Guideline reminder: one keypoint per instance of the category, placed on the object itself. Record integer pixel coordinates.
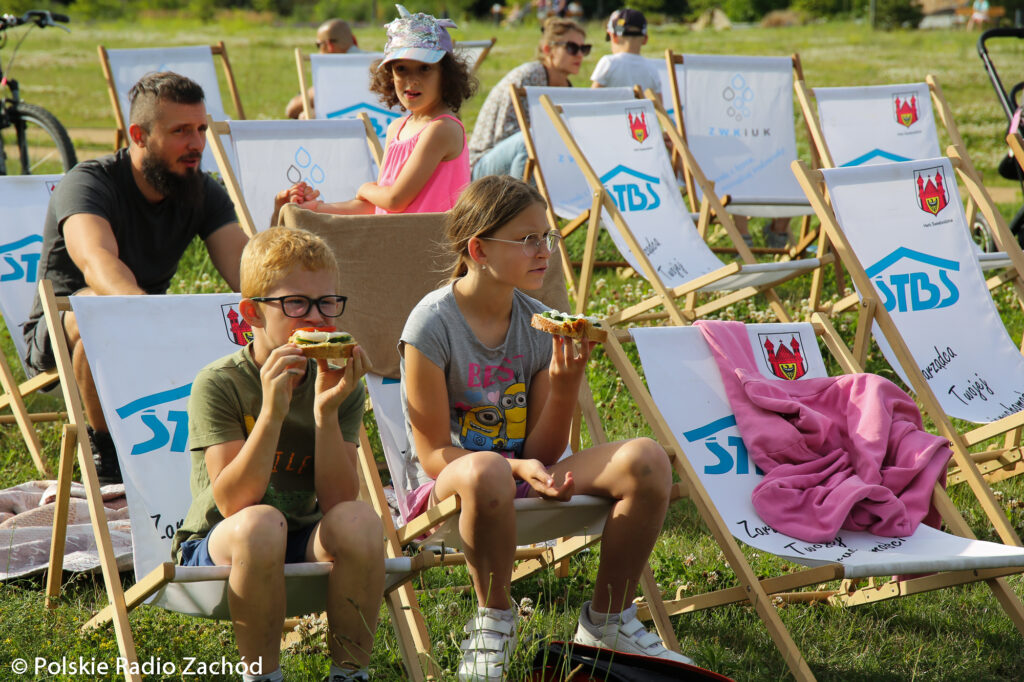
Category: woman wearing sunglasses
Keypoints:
(497, 147)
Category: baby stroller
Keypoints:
(1008, 167)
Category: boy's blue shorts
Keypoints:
(197, 552)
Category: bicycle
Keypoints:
(41, 140)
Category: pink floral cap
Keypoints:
(419, 37)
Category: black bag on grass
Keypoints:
(562, 660)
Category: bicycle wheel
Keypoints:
(42, 147)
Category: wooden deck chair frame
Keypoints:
(414, 640)
(533, 172)
(759, 592)
(974, 469)
(217, 128)
(804, 96)
(673, 59)
(668, 298)
(487, 45)
(13, 394)
(75, 441)
(121, 117)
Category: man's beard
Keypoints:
(187, 188)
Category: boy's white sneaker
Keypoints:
(625, 633)
(487, 649)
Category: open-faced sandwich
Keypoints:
(323, 342)
(571, 326)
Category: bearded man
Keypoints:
(118, 225)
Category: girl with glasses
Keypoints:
(497, 147)
(426, 163)
(488, 402)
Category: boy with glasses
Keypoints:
(274, 480)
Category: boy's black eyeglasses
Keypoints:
(297, 305)
(574, 48)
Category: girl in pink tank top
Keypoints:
(426, 160)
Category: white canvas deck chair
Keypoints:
(690, 414)
(145, 406)
(857, 126)
(474, 51)
(549, 164)
(383, 285)
(260, 158)
(900, 230)
(738, 122)
(341, 83)
(633, 186)
(123, 68)
(24, 199)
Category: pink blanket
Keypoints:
(838, 452)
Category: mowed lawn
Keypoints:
(955, 635)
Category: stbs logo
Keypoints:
(634, 190)
(239, 331)
(931, 194)
(915, 291)
(905, 107)
(165, 425)
(380, 118)
(21, 259)
(737, 96)
(785, 363)
(731, 453)
(302, 168)
(637, 124)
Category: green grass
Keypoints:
(955, 635)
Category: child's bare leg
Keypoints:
(252, 541)
(484, 483)
(637, 474)
(351, 536)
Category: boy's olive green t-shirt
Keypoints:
(226, 399)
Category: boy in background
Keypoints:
(272, 436)
(624, 67)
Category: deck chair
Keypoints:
(738, 122)
(549, 165)
(688, 410)
(618, 148)
(341, 83)
(24, 198)
(145, 405)
(263, 157)
(924, 300)
(383, 285)
(123, 68)
(856, 126)
(474, 51)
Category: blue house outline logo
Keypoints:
(632, 196)
(915, 288)
(374, 112)
(875, 153)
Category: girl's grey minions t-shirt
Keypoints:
(487, 387)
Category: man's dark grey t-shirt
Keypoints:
(151, 238)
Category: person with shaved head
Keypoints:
(333, 37)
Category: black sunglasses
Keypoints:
(574, 48)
